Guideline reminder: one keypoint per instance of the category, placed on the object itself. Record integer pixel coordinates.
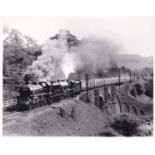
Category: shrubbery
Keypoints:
(125, 124)
(149, 88)
(133, 92)
(138, 88)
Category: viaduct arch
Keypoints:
(101, 102)
(113, 101)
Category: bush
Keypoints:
(133, 92)
(125, 124)
(147, 118)
(138, 88)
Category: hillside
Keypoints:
(133, 61)
(78, 119)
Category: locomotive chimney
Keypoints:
(27, 79)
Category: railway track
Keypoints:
(14, 117)
(10, 115)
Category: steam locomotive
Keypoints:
(37, 94)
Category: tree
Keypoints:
(149, 88)
(19, 51)
(123, 70)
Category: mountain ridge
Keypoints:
(134, 61)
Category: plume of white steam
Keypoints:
(68, 64)
(58, 60)
(48, 66)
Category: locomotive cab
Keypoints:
(77, 87)
(74, 86)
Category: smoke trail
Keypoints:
(68, 65)
(94, 55)
(59, 59)
(48, 66)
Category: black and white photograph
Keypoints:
(78, 76)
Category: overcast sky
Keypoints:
(134, 34)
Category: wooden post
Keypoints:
(130, 77)
(87, 78)
(119, 82)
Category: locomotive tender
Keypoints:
(37, 94)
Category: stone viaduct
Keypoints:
(112, 100)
